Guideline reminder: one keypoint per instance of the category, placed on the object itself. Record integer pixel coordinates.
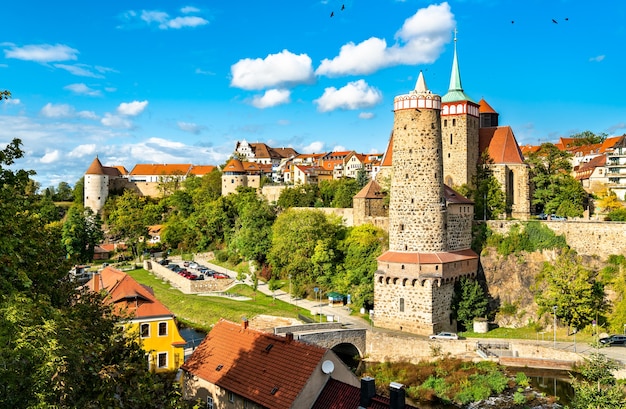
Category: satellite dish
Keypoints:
(328, 367)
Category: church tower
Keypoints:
(460, 131)
(96, 186)
(414, 282)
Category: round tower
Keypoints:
(417, 208)
(96, 186)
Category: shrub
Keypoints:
(521, 379)
(519, 398)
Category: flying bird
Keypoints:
(512, 21)
(566, 19)
(554, 21)
(343, 6)
(332, 13)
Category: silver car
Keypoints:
(444, 335)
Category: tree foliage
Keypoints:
(575, 290)
(470, 301)
(59, 347)
(485, 191)
(555, 190)
(82, 232)
(127, 220)
(588, 138)
(597, 388)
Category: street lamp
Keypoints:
(554, 311)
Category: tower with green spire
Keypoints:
(460, 123)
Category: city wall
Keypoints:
(587, 237)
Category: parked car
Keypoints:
(542, 216)
(220, 275)
(164, 262)
(557, 218)
(614, 340)
(193, 265)
(444, 335)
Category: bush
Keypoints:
(221, 256)
(519, 398)
(521, 379)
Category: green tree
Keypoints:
(79, 191)
(59, 347)
(298, 196)
(363, 244)
(362, 178)
(485, 191)
(469, 301)
(553, 183)
(64, 192)
(295, 235)
(572, 288)
(127, 222)
(252, 237)
(346, 189)
(588, 138)
(82, 232)
(597, 388)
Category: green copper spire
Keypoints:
(455, 92)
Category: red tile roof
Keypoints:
(201, 170)
(127, 295)
(371, 191)
(485, 108)
(234, 165)
(427, 258)
(95, 168)
(501, 144)
(161, 169)
(253, 364)
(389, 152)
(452, 196)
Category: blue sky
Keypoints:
(182, 81)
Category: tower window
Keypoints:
(401, 304)
(448, 154)
(450, 139)
(402, 227)
(453, 122)
(445, 122)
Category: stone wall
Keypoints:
(460, 227)
(346, 214)
(185, 285)
(591, 238)
(272, 192)
(460, 148)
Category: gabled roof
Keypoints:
(339, 395)
(610, 143)
(261, 150)
(526, 149)
(161, 169)
(501, 144)
(452, 196)
(267, 369)
(585, 170)
(127, 295)
(485, 108)
(371, 191)
(330, 164)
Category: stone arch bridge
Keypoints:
(345, 342)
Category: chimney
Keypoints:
(289, 337)
(368, 390)
(396, 396)
(244, 323)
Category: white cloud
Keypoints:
(314, 147)
(80, 70)
(272, 98)
(165, 21)
(57, 111)
(204, 72)
(597, 58)
(65, 111)
(82, 89)
(276, 70)
(116, 121)
(83, 150)
(51, 156)
(339, 148)
(190, 127)
(283, 122)
(42, 53)
(366, 115)
(187, 21)
(189, 9)
(355, 95)
(131, 108)
(419, 41)
(12, 101)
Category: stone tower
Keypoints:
(96, 186)
(460, 131)
(414, 282)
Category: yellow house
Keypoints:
(147, 317)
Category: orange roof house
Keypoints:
(143, 313)
(242, 367)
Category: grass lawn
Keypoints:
(530, 334)
(201, 312)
